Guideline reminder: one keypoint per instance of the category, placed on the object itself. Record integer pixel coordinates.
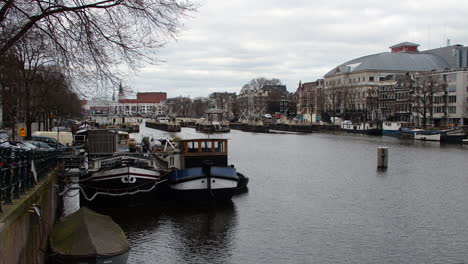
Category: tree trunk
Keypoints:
(27, 108)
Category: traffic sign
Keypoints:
(23, 132)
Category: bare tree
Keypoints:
(94, 37)
(259, 83)
(334, 100)
(423, 96)
(33, 55)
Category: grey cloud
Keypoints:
(227, 43)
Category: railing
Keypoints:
(21, 170)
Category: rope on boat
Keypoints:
(118, 194)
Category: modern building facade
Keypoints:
(148, 103)
(448, 97)
(145, 104)
(388, 86)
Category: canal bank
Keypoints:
(26, 223)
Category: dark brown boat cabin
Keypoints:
(196, 152)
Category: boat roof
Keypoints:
(203, 139)
(214, 111)
(124, 155)
(82, 233)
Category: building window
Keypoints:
(371, 78)
(452, 109)
(451, 77)
(363, 79)
(451, 89)
(452, 99)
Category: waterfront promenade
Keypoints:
(28, 205)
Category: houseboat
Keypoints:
(453, 136)
(442, 135)
(119, 175)
(199, 170)
(393, 128)
(113, 171)
(367, 128)
(165, 124)
(214, 120)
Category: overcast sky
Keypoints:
(228, 43)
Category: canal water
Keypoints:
(316, 198)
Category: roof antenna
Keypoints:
(429, 37)
(445, 32)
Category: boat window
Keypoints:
(193, 146)
(123, 140)
(206, 146)
(219, 146)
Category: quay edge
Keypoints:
(24, 235)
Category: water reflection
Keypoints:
(204, 234)
(176, 233)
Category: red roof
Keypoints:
(152, 98)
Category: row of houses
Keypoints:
(427, 87)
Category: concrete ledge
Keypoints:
(12, 211)
(24, 236)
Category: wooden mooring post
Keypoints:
(382, 157)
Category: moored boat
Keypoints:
(393, 128)
(121, 175)
(425, 135)
(453, 136)
(86, 237)
(214, 122)
(368, 128)
(114, 172)
(442, 135)
(199, 170)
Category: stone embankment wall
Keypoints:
(24, 233)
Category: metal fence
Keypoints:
(21, 170)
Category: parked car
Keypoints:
(41, 145)
(18, 145)
(4, 136)
(52, 142)
(65, 138)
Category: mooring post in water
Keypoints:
(382, 157)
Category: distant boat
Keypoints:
(393, 128)
(368, 128)
(214, 121)
(86, 237)
(442, 135)
(427, 135)
(453, 136)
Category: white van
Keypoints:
(65, 138)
